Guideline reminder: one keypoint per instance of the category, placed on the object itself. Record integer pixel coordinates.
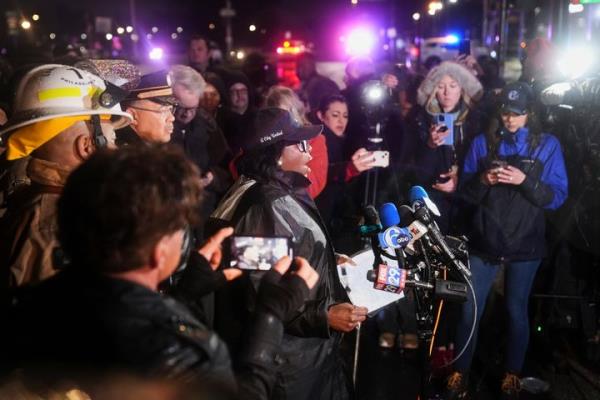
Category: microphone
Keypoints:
(372, 223)
(406, 215)
(432, 231)
(390, 220)
(394, 237)
(419, 197)
(387, 278)
(393, 280)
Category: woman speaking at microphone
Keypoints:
(270, 199)
(512, 174)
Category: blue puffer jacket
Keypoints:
(508, 220)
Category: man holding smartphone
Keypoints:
(103, 319)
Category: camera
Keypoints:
(375, 98)
(256, 253)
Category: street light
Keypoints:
(252, 28)
(109, 36)
(25, 24)
(416, 16)
(434, 7)
(35, 17)
(120, 30)
(129, 28)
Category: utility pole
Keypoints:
(133, 18)
(227, 14)
(484, 28)
(503, 32)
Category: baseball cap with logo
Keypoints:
(516, 97)
(273, 125)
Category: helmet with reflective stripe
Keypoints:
(52, 91)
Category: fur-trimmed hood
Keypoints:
(472, 89)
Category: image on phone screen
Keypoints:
(256, 252)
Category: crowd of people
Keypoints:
(118, 191)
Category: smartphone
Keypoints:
(465, 47)
(497, 165)
(257, 253)
(447, 122)
(382, 158)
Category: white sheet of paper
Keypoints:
(359, 289)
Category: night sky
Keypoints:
(318, 21)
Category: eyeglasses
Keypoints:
(303, 146)
(163, 110)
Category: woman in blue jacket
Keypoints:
(511, 174)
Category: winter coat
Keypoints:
(430, 163)
(318, 165)
(508, 221)
(578, 130)
(309, 366)
(333, 201)
(210, 153)
(28, 229)
(81, 326)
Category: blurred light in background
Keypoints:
(575, 8)
(452, 39)
(156, 54)
(575, 62)
(360, 42)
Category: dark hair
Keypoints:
(261, 163)
(197, 36)
(118, 204)
(328, 100)
(493, 136)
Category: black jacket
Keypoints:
(429, 163)
(281, 207)
(84, 327)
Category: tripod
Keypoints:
(371, 180)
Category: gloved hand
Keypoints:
(555, 94)
(282, 293)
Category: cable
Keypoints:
(437, 321)
(435, 327)
(472, 326)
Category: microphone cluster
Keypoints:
(400, 231)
